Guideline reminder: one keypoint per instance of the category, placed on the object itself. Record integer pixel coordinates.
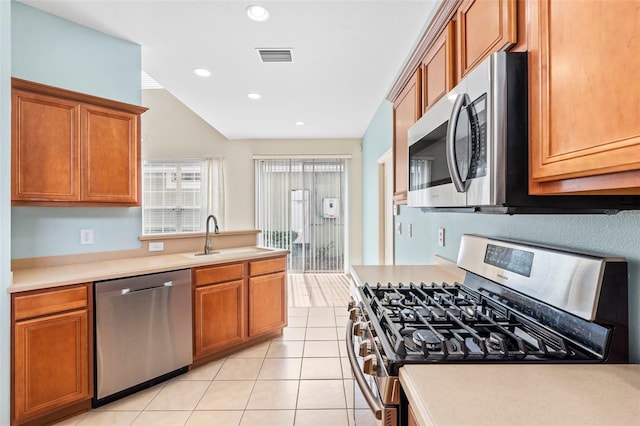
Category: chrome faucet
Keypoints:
(208, 245)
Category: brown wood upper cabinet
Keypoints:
(406, 111)
(484, 27)
(438, 68)
(69, 148)
(583, 65)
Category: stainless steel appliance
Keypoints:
(143, 332)
(470, 150)
(518, 303)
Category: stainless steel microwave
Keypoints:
(469, 152)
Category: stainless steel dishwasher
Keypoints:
(143, 332)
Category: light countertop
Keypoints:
(444, 271)
(55, 276)
(523, 394)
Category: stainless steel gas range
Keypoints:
(518, 303)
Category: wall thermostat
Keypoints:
(330, 208)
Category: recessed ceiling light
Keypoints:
(257, 13)
(201, 72)
(254, 96)
(299, 123)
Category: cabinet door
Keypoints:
(219, 317)
(406, 111)
(51, 363)
(267, 303)
(110, 155)
(484, 27)
(46, 147)
(583, 65)
(438, 69)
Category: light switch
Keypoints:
(441, 237)
(410, 230)
(399, 228)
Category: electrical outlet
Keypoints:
(86, 236)
(157, 246)
(441, 237)
(410, 230)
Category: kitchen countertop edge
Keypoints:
(58, 276)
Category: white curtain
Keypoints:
(301, 205)
(216, 184)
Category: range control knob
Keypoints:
(365, 348)
(354, 314)
(358, 328)
(370, 365)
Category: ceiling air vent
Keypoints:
(276, 55)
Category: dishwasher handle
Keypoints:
(126, 291)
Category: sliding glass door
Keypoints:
(300, 206)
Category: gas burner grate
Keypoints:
(451, 322)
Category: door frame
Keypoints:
(386, 240)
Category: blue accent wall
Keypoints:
(54, 51)
(616, 235)
(375, 143)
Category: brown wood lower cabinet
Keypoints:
(235, 302)
(219, 321)
(52, 355)
(267, 303)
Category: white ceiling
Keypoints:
(346, 55)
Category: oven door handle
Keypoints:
(368, 394)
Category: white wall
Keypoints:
(171, 130)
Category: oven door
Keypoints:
(380, 391)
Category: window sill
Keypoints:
(154, 237)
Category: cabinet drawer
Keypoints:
(43, 303)
(261, 267)
(218, 274)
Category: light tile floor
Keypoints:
(301, 378)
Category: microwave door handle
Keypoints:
(461, 101)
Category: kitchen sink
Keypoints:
(235, 251)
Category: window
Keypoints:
(174, 196)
